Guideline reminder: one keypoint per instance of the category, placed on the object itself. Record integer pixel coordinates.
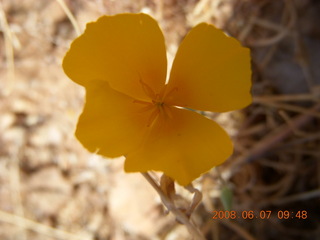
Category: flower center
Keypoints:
(157, 109)
(158, 104)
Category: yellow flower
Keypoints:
(131, 111)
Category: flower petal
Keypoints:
(124, 49)
(211, 72)
(111, 124)
(182, 144)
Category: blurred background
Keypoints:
(51, 188)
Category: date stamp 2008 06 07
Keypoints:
(263, 214)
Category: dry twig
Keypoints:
(39, 228)
(276, 136)
(8, 43)
(70, 16)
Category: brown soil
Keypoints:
(52, 188)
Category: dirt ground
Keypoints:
(52, 188)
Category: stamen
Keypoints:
(168, 94)
(148, 90)
(153, 117)
(141, 102)
(146, 108)
(167, 111)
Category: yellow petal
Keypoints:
(182, 144)
(112, 124)
(126, 50)
(211, 72)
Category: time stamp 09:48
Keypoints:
(263, 214)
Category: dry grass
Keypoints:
(51, 188)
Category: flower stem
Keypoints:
(180, 216)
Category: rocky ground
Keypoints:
(52, 188)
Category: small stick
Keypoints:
(297, 197)
(39, 228)
(293, 108)
(237, 228)
(9, 51)
(273, 138)
(284, 97)
(70, 16)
